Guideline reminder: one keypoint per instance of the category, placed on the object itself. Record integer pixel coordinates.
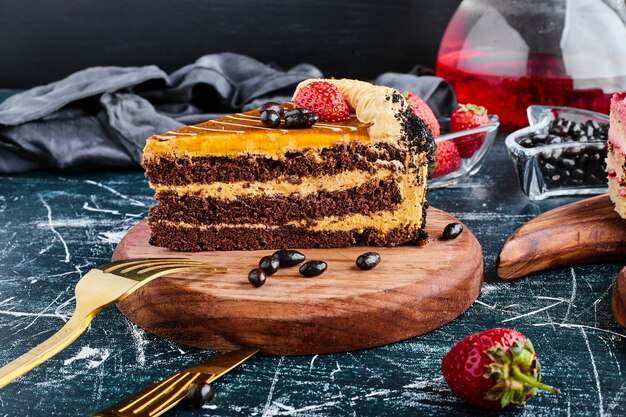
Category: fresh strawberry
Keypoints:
(447, 158)
(493, 369)
(469, 116)
(421, 110)
(323, 99)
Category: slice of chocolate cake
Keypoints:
(236, 184)
(616, 159)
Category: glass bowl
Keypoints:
(557, 169)
(469, 166)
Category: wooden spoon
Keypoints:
(588, 231)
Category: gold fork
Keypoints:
(99, 288)
(162, 396)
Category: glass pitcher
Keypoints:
(509, 54)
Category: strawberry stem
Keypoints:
(469, 107)
(515, 373)
(527, 380)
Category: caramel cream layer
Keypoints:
(272, 144)
(243, 133)
(309, 185)
(407, 214)
(376, 109)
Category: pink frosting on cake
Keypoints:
(614, 142)
(618, 104)
(616, 159)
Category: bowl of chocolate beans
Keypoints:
(562, 152)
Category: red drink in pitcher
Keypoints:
(507, 55)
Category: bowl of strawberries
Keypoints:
(463, 140)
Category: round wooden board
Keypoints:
(413, 290)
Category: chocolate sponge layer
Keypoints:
(294, 165)
(373, 196)
(211, 239)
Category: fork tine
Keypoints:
(115, 265)
(160, 264)
(170, 402)
(141, 269)
(178, 386)
(138, 403)
(173, 399)
(182, 265)
(169, 271)
(159, 386)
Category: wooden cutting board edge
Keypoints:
(587, 231)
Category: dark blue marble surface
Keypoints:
(55, 227)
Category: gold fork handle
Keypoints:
(74, 327)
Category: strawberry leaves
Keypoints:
(494, 369)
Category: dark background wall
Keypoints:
(42, 41)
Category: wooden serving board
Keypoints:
(412, 291)
(587, 231)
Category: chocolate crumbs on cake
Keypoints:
(415, 133)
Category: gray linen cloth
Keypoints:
(101, 117)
